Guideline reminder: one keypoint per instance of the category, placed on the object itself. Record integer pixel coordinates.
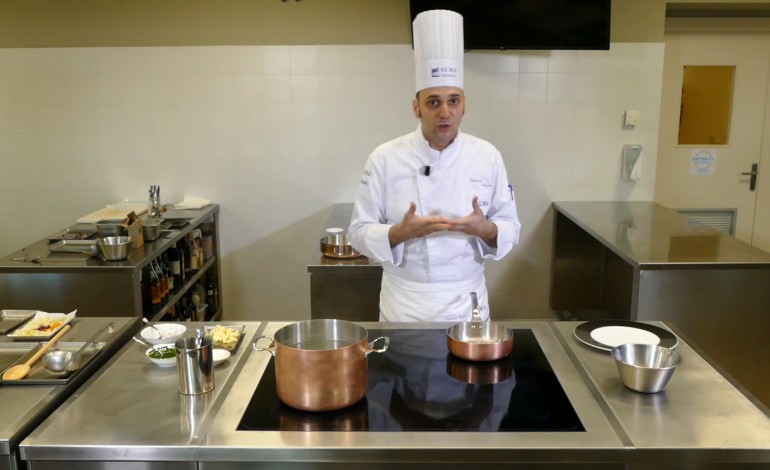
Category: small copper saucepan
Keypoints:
(479, 373)
(479, 340)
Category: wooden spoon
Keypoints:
(20, 371)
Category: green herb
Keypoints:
(165, 353)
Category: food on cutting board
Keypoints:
(224, 337)
(39, 327)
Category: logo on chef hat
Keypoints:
(445, 72)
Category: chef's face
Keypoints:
(440, 110)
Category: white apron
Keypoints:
(402, 300)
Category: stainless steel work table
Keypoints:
(345, 289)
(643, 261)
(25, 406)
(700, 418)
(133, 412)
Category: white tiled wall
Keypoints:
(278, 134)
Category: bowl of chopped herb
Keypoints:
(163, 355)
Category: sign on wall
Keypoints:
(703, 161)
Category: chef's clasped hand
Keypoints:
(414, 226)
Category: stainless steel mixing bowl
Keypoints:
(645, 368)
(114, 248)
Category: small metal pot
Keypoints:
(110, 228)
(151, 229)
(320, 365)
(479, 340)
(341, 250)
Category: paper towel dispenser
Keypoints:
(632, 162)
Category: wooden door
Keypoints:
(677, 185)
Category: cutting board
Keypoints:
(109, 213)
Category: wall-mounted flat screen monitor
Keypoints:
(529, 24)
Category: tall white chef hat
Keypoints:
(438, 49)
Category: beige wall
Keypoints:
(277, 131)
(278, 134)
(79, 23)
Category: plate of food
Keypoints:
(42, 326)
(606, 334)
(225, 336)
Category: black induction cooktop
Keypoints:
(416, 385)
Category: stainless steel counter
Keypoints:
(25, 406)
(133, 412)
(648, 234)
(345, 289)
(57, 279)
(700, 418)
(642, 261)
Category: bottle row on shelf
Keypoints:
(199, 303)
(170, 273)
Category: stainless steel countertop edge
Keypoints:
(36, 446)
(597, 394)
(723, 422)
(224, 443)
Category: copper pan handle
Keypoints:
(370, 348)
(475, 312)
(271, 349)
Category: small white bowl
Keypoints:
(165, 362)
(220, 355)
(169, 333)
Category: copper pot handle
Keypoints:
(271, 349)
(370, 348)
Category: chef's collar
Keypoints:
(435, 155)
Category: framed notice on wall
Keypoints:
(703, 161)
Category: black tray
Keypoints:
(17, 353)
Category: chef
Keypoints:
(434, 204)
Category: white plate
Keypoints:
(616, 335)
(220, 355)
(606, 334)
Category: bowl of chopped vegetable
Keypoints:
(163, 355)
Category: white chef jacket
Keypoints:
(430, 278)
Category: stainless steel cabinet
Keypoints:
(642, 261)
(62, 282)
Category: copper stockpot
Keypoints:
(479, 340)
(320, 365)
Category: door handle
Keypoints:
(753, 173)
